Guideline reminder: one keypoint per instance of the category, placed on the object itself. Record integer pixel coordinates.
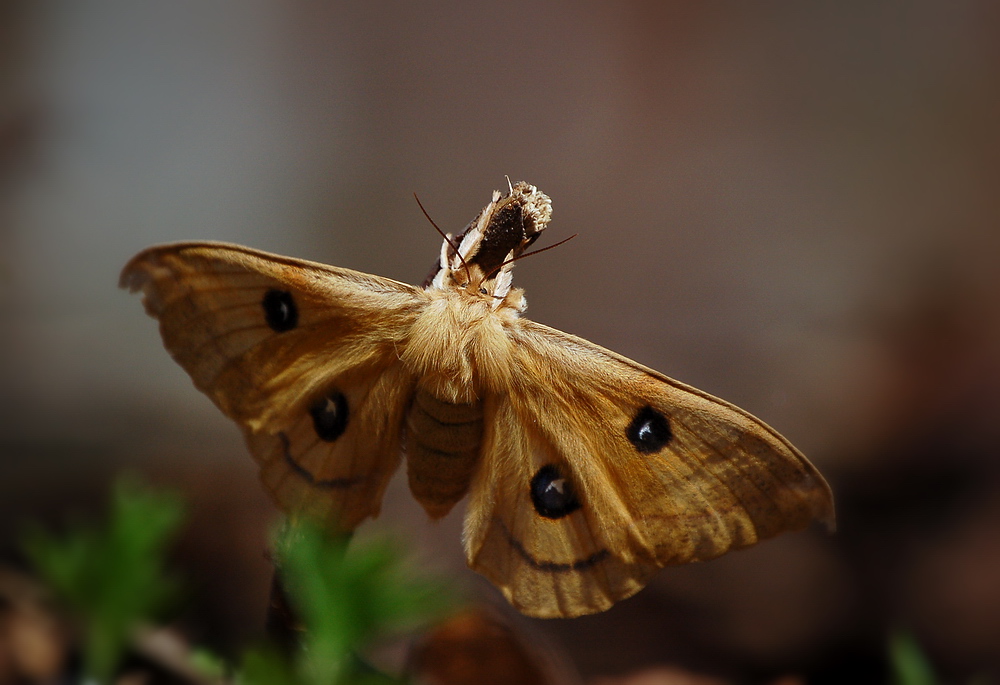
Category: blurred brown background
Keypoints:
(791, 205)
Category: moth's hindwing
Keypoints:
(599, 471)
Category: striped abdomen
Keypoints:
(442, 450)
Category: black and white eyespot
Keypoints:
(280, 311)
(330, 415)
(552, 493)
(649, 431)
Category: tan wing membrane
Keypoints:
(209, 298)
(659, 474)
(341, 481)
(546, 566)
(302, 355)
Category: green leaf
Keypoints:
(266, 667)
(208, 664)
(346, 598)
(908, 663)
(111, 577)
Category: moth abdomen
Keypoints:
(442, 450)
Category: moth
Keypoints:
(585, 471)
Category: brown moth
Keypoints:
(586, 472)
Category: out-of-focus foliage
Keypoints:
(111, 576)
(345, 599)
(909, 664)
(112, 579)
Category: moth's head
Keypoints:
(488, 246)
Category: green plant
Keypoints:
(907, 661)
(345, 599)
(111, 577)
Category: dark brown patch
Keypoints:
(649, 431)
(330, 414)
(510, 229)
(280, 310)
(553, 493)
